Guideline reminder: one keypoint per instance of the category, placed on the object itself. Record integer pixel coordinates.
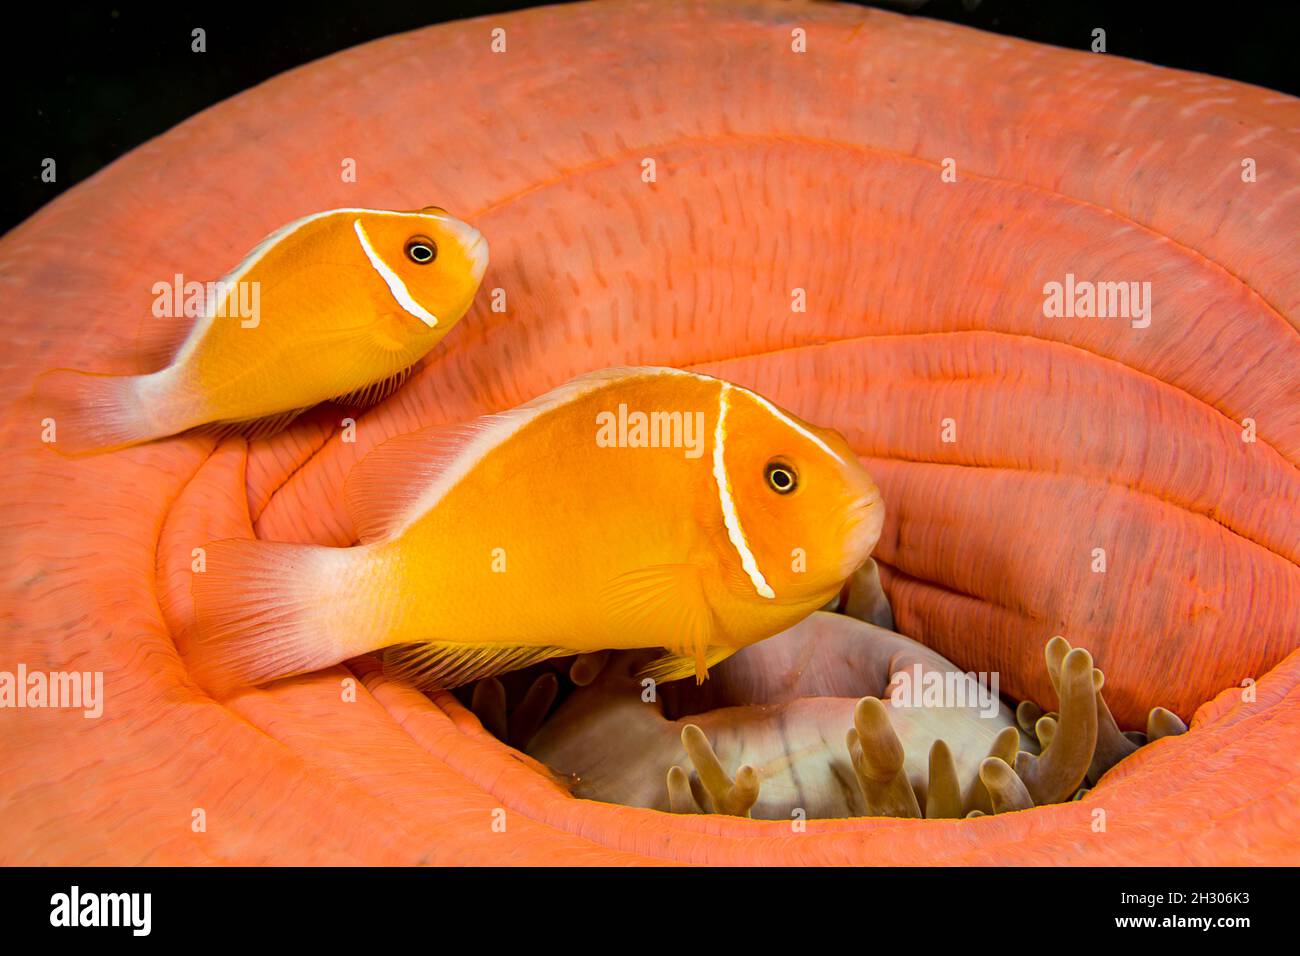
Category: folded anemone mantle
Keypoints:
(774, 170)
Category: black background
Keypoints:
(86, 84)
(1048, 910)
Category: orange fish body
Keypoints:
(629, 508)
(346, 302)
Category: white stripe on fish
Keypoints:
(729, 516)
(393, 280)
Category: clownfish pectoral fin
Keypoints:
(672, 667)
(663, 605)
(449, 664)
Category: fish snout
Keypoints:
(473, 242)
(476, 248)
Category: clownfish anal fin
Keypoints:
(251, 429)
(663, 605)
(448, 664)
(375, 392)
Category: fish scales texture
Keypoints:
(925, 303)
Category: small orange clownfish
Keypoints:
(348, 300)
(630, 508)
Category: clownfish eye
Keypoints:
(421, 250)
(781, 477)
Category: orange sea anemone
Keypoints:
(867, 233)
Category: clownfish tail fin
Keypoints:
(89, 412)
(266, 610)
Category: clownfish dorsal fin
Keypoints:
(663, 604)
(383, 491)
(159, 340)
(405, 476)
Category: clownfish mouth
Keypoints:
(477, 251)
(864, 520)
(474, 242)
(834, 718)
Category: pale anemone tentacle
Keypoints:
(1004, 747)
(489, 703)
(489, 706)
(1006, 789)
(528, 717)
(1164, 723)
(587, 667)
(680, 798)
(732, 797)
(1071, 741)
(943, 795)
(876, 755)
(763, 742)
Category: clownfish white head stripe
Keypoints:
(394, 282)
(729, 516)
